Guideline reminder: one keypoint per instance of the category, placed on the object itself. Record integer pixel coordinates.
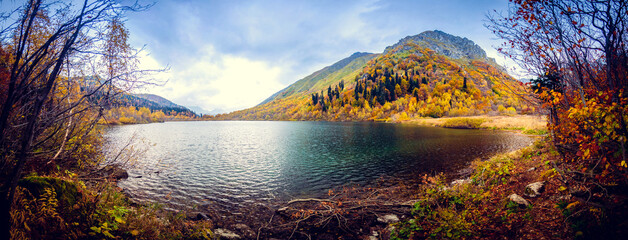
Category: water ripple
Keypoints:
(235, 163)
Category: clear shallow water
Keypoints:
(237, 163)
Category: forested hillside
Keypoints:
(121, 107)
(144, 108)
(433, 74)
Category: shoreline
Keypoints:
(510, 123)
(260, 214)
(522, 123)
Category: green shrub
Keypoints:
(464, 123)
(535, 131)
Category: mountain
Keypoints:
(199, 110)
(433, 74)
(153, 102)
(121, 98)
(159, 100)
(443, 43)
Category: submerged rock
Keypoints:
(534, 189)
(518, 200)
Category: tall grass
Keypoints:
(464, 123)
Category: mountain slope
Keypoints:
(323, 78)
(153, 102)
(199, 110)
(430, 74)
(159, 100)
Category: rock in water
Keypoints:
(534, 189)
(519, 200)
(115, 171)
(202, 216)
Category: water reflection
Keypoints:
(235, 163)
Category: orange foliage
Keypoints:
(133, 115)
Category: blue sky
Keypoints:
(230, 55)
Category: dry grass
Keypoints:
(517, 122)
(464, 123)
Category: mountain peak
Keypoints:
(443, 43)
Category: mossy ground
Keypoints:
(60, 206)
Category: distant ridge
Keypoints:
(152, 102)
(159, 100)
(199, 110)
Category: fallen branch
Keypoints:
(309, 200)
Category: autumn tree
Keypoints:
(578, 51)
(42, 108)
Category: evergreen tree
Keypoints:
(329, 93)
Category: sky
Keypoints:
(230, 55)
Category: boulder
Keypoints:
(460, 182)
(202, 216)
(388, 218)
(244, 230)
(374, 236)
(226, 234)
(197, 216)
(534, 189)
(115, 171)
(518, 200)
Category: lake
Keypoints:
(234, 163)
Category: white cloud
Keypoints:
(216, 81)
(243, 83)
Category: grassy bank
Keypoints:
(481, 205)
(529, 124)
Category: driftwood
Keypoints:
(349, 213)
(309, 200)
